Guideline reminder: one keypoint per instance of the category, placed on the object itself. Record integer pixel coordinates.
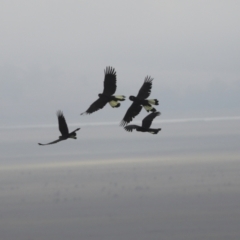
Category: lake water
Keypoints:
(183, 183)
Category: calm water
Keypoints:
(183, 183)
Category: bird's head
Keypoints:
(132, 98)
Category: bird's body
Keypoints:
(143, 129)
(140, 101)
(63, 128)
(146, 123)
(146, 103)
(107, 96)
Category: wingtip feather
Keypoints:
(59, 113)
(110, 70)
(85, 113)
(123, 123)
(128, 129)
(148, 79)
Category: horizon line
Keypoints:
(93, 124)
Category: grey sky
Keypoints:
(53, 54)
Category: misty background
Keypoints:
(182, 183)
(53, 56)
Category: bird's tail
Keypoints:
(73, 137)
(120, 97)
(154, 130)
(153, 101)
(73, 134)
(149, 108)
(114, 103)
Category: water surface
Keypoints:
(183, 183)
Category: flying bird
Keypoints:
(146, 124)
(109, 88)
(140, 101)
(63, 128)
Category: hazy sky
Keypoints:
(53, 54)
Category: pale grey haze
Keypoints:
(180, 184)
(53, 54)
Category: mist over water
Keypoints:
(110, 184)
(183, 183)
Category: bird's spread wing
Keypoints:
(98, 104)
(130, 128)
(131, 113)
(145, 90)
(147, 121)
(63, 128)
(50, 142)
(110, 81)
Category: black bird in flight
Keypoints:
(146, 123)
(63, 128)
(109, 89)
(139, 101)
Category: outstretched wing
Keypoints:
(41, 144)
(147, 121)
(130, 128)
(145, 90)
(63, 128)
(131, 113)
(98, 104)
(110, 81)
